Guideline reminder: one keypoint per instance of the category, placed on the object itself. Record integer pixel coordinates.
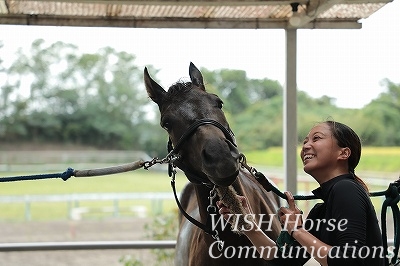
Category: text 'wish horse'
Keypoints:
(207, 153)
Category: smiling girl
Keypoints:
(330, 153)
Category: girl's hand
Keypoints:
(225, 211)
(290, 217)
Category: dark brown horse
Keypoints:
(208, 156)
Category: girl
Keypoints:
(343, 230)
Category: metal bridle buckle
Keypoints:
(243, 162)
(211, 208)
(220, 242)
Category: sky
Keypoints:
(348, 65)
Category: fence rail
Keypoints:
(74, 209)
(87, 245)
(94, 245)
(87, 196)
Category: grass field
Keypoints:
(130, 182)
(374, 159)
(137, 181)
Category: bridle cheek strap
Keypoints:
(193, 177)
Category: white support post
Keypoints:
(290, 113)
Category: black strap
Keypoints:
(392, 198)
(228, 134)
(264, 182)
(203, 227)
(193, 177)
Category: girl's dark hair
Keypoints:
(346, 137)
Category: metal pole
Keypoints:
(86, 245)
(290, 113)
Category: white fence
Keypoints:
(75, 210)
(73, 200)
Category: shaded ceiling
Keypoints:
(216, 14)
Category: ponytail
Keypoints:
(361, 182)
(346, 137)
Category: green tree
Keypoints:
(55, 93)
(383, 117)
(238, 91)
(260, 126)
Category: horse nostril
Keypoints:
(219, 150)
(208, 153)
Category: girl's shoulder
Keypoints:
(348, 190)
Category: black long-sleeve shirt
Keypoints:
(346, 220)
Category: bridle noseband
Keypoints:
(173, 152)
(205, 121)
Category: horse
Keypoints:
(208, 155)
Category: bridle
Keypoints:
(173, 156)
(205, 121)
(173, 152)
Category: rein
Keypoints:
(211, 210)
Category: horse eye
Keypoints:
(220, 104)
(166, 125)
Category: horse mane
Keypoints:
(176, 89)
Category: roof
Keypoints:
(222, 14)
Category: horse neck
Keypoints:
(260, 201)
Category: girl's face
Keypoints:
(320, 153)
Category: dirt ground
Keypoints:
(123, 229)
(105, 230)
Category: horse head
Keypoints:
(197, 128)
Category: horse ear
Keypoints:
(196, 77)
(155, 91)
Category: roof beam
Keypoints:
(204, 2)
(184, 2)
(349, 2)
(195, 23)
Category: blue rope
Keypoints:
(64, 176)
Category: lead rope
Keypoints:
(79, 173)
(264, 182)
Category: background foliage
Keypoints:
(57, 94)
